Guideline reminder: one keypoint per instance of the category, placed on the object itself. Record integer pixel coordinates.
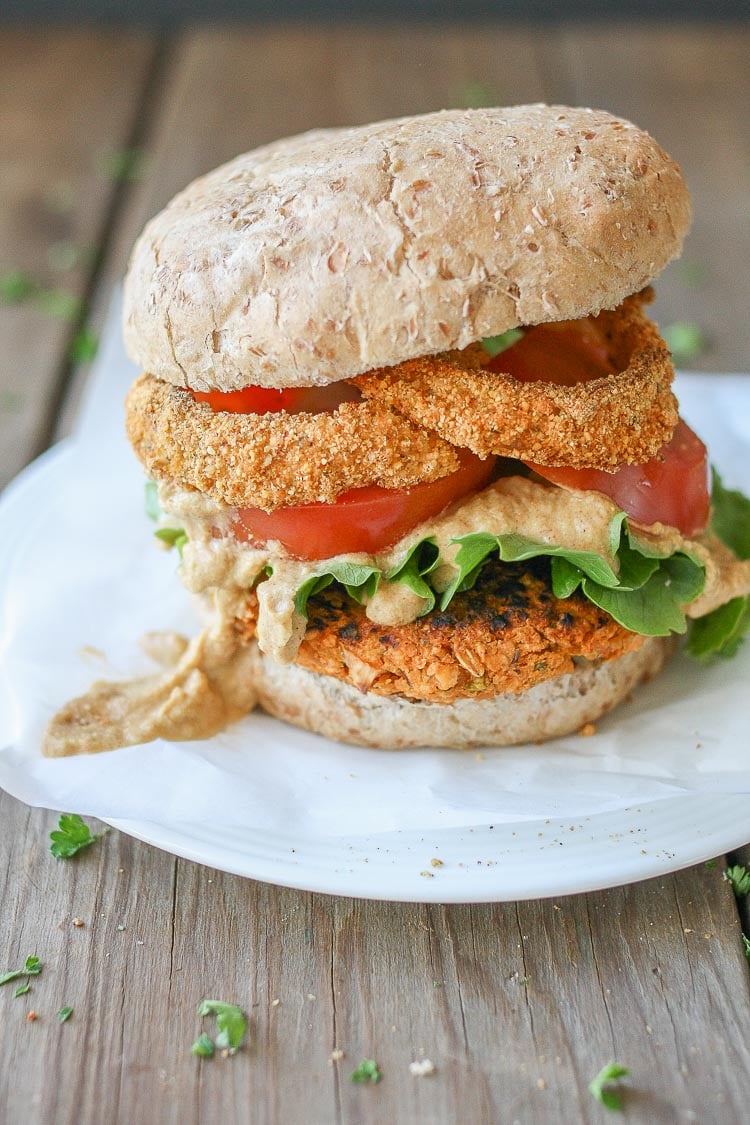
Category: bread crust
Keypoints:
(319, 257)
(548, 710)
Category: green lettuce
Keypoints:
(646, 593)
(721, 632)
(358, 580)
(170, 536)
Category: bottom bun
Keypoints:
(339, 711)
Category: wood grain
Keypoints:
(518, 1006)
(66, 97)
(692, 92)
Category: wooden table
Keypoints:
(518, 1005)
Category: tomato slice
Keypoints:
(672, 488)
(269, 400)
(363, 519)
(564, 353)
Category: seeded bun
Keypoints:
(322, 256)
(550, 709)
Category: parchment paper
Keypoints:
(81, 580)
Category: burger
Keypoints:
(407, 423)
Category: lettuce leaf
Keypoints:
(721, 632)
(357, 579)
(493, 345)
(413, 571)
(730, 516)
(645, 591)
(646, 596)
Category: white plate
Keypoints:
(74, 546)
(504, 863)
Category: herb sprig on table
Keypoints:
(72, 834)
(601, 1086)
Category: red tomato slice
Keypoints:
(363, 519)
(268, 400)
(672, 488)
(564, 353)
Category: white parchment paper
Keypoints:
(81, 581)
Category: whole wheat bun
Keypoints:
(322, 256)
(556, 707)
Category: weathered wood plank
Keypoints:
(690, 87)
(517, 1007)
(65, 97)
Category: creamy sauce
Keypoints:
(209, 686)
(209, 681)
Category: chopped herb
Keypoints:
(493, 345)
(121, 165)
(23, 989)
(71, 836)
(477, 95)
(203, 1046)
(685, 341)
(64, 1014)
(610, 1099)
(32, 968)
(367, 1071)
(230, 1022)
(16, 287)
(710, 863)
(59, 303)
(739, 877)
(83, 346)
(746, 944)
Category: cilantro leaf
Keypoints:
(746, 944)
(358, 580)
(230, 1022)
(203, 1046)
(493, 345)
(23, 989)
(64, 1014)
(598, 1086)
(367, 1071)
(730, 516)
(32, 968)
(71, 836)
(739, 877)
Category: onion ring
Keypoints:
(270, 461)
(620, 419)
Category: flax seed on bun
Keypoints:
(323, 256)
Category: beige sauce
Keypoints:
(209, 681)
(209, 686)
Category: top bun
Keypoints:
(322, 256)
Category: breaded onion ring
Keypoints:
(620, 419)
(272, 461)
